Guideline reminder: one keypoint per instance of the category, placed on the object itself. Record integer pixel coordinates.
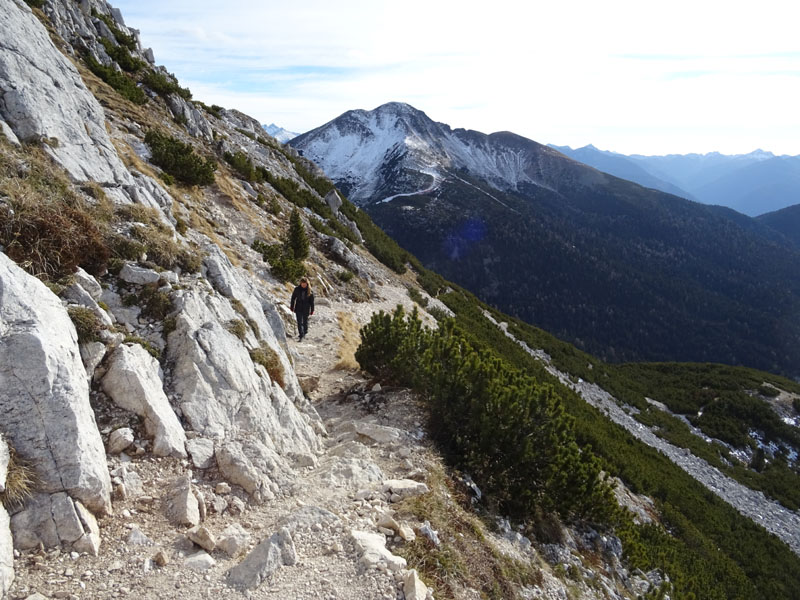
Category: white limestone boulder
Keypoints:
(266, 558)
(45, 394)
(373, 551)
(133, 382)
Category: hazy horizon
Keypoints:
(636, 78)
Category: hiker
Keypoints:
(302, 305)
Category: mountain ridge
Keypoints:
(615, 241)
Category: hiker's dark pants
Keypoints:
(302, 323)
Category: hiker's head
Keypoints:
(304, 282)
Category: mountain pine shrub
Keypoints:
(506, 429)
(179, 159)
(122, 84)
(297, 240)
(164, 85)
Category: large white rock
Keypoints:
(413, 587)
(42, 96)
(405, 488)
(5, 458)
(44, 393)
(233, 540)
(266, 558)
(53, 519)
(372, 547)
(133, 383)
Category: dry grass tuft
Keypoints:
(268, 358)
(20, 481)
(351, 339)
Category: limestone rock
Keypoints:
(119, 440)
(45, 399)
(233, 540)
(413, 587)
(200, 561)
(182, 506)
(138, 275)
(133, 383)
(202, 537)
(196, 123)
(53, 519)
(379, 433)
(35, 77)
(354, 473)
(129, 480)
(247, 465)
(201, 451)
(388, 521)
(88, 283)
(372, 547)
(92, 355)
(341, 253)
(334, 201)
(136, 537)
(266, 558)
(405, 488)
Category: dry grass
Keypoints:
(20, 481)
(349, 343)
(465, 558)
(268, 358)
(46, 226)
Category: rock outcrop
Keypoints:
(45, 396)
(133, 381)
(266, 558)
(6, 544)
(35, 77)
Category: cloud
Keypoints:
(626, 75)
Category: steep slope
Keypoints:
(623, 271)
(786, 221)
(623, 167)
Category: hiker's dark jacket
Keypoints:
(302, 300)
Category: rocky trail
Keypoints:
(320, 535)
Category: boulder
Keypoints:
(5, 458)
(133, 382)
(201, 451)
(92, 355)
(182, 505)
(196, 123)
(266, 558)
(45, 401)
(53, 519)
(138, 275)
(200, 561)
(35, 77)
(119, 440)
(379, 433)
(373, 551)
(202, 537)
(88, 283)
(248, 464)
(413, 587)
(404, 488)
(233, 540)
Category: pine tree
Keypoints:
(297, 240)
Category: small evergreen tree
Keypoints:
(297, 240)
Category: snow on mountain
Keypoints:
(279, 133)
(396, 149)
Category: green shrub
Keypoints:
(123, 39)
(268, 358)
(286, 269)
(87, 324)
(507, 430)
(417, 297)
(242, 164)
(164, 85)
(35, 3)
(123, 84)
(179, 159)
(768, 391)
(216, 110)
(151, 349)
(122, 57)
(155, 304)
(274, 206)
(345, 276)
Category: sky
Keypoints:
(644, 76)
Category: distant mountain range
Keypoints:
(753, 184)
(623, 271)
(279, 133)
